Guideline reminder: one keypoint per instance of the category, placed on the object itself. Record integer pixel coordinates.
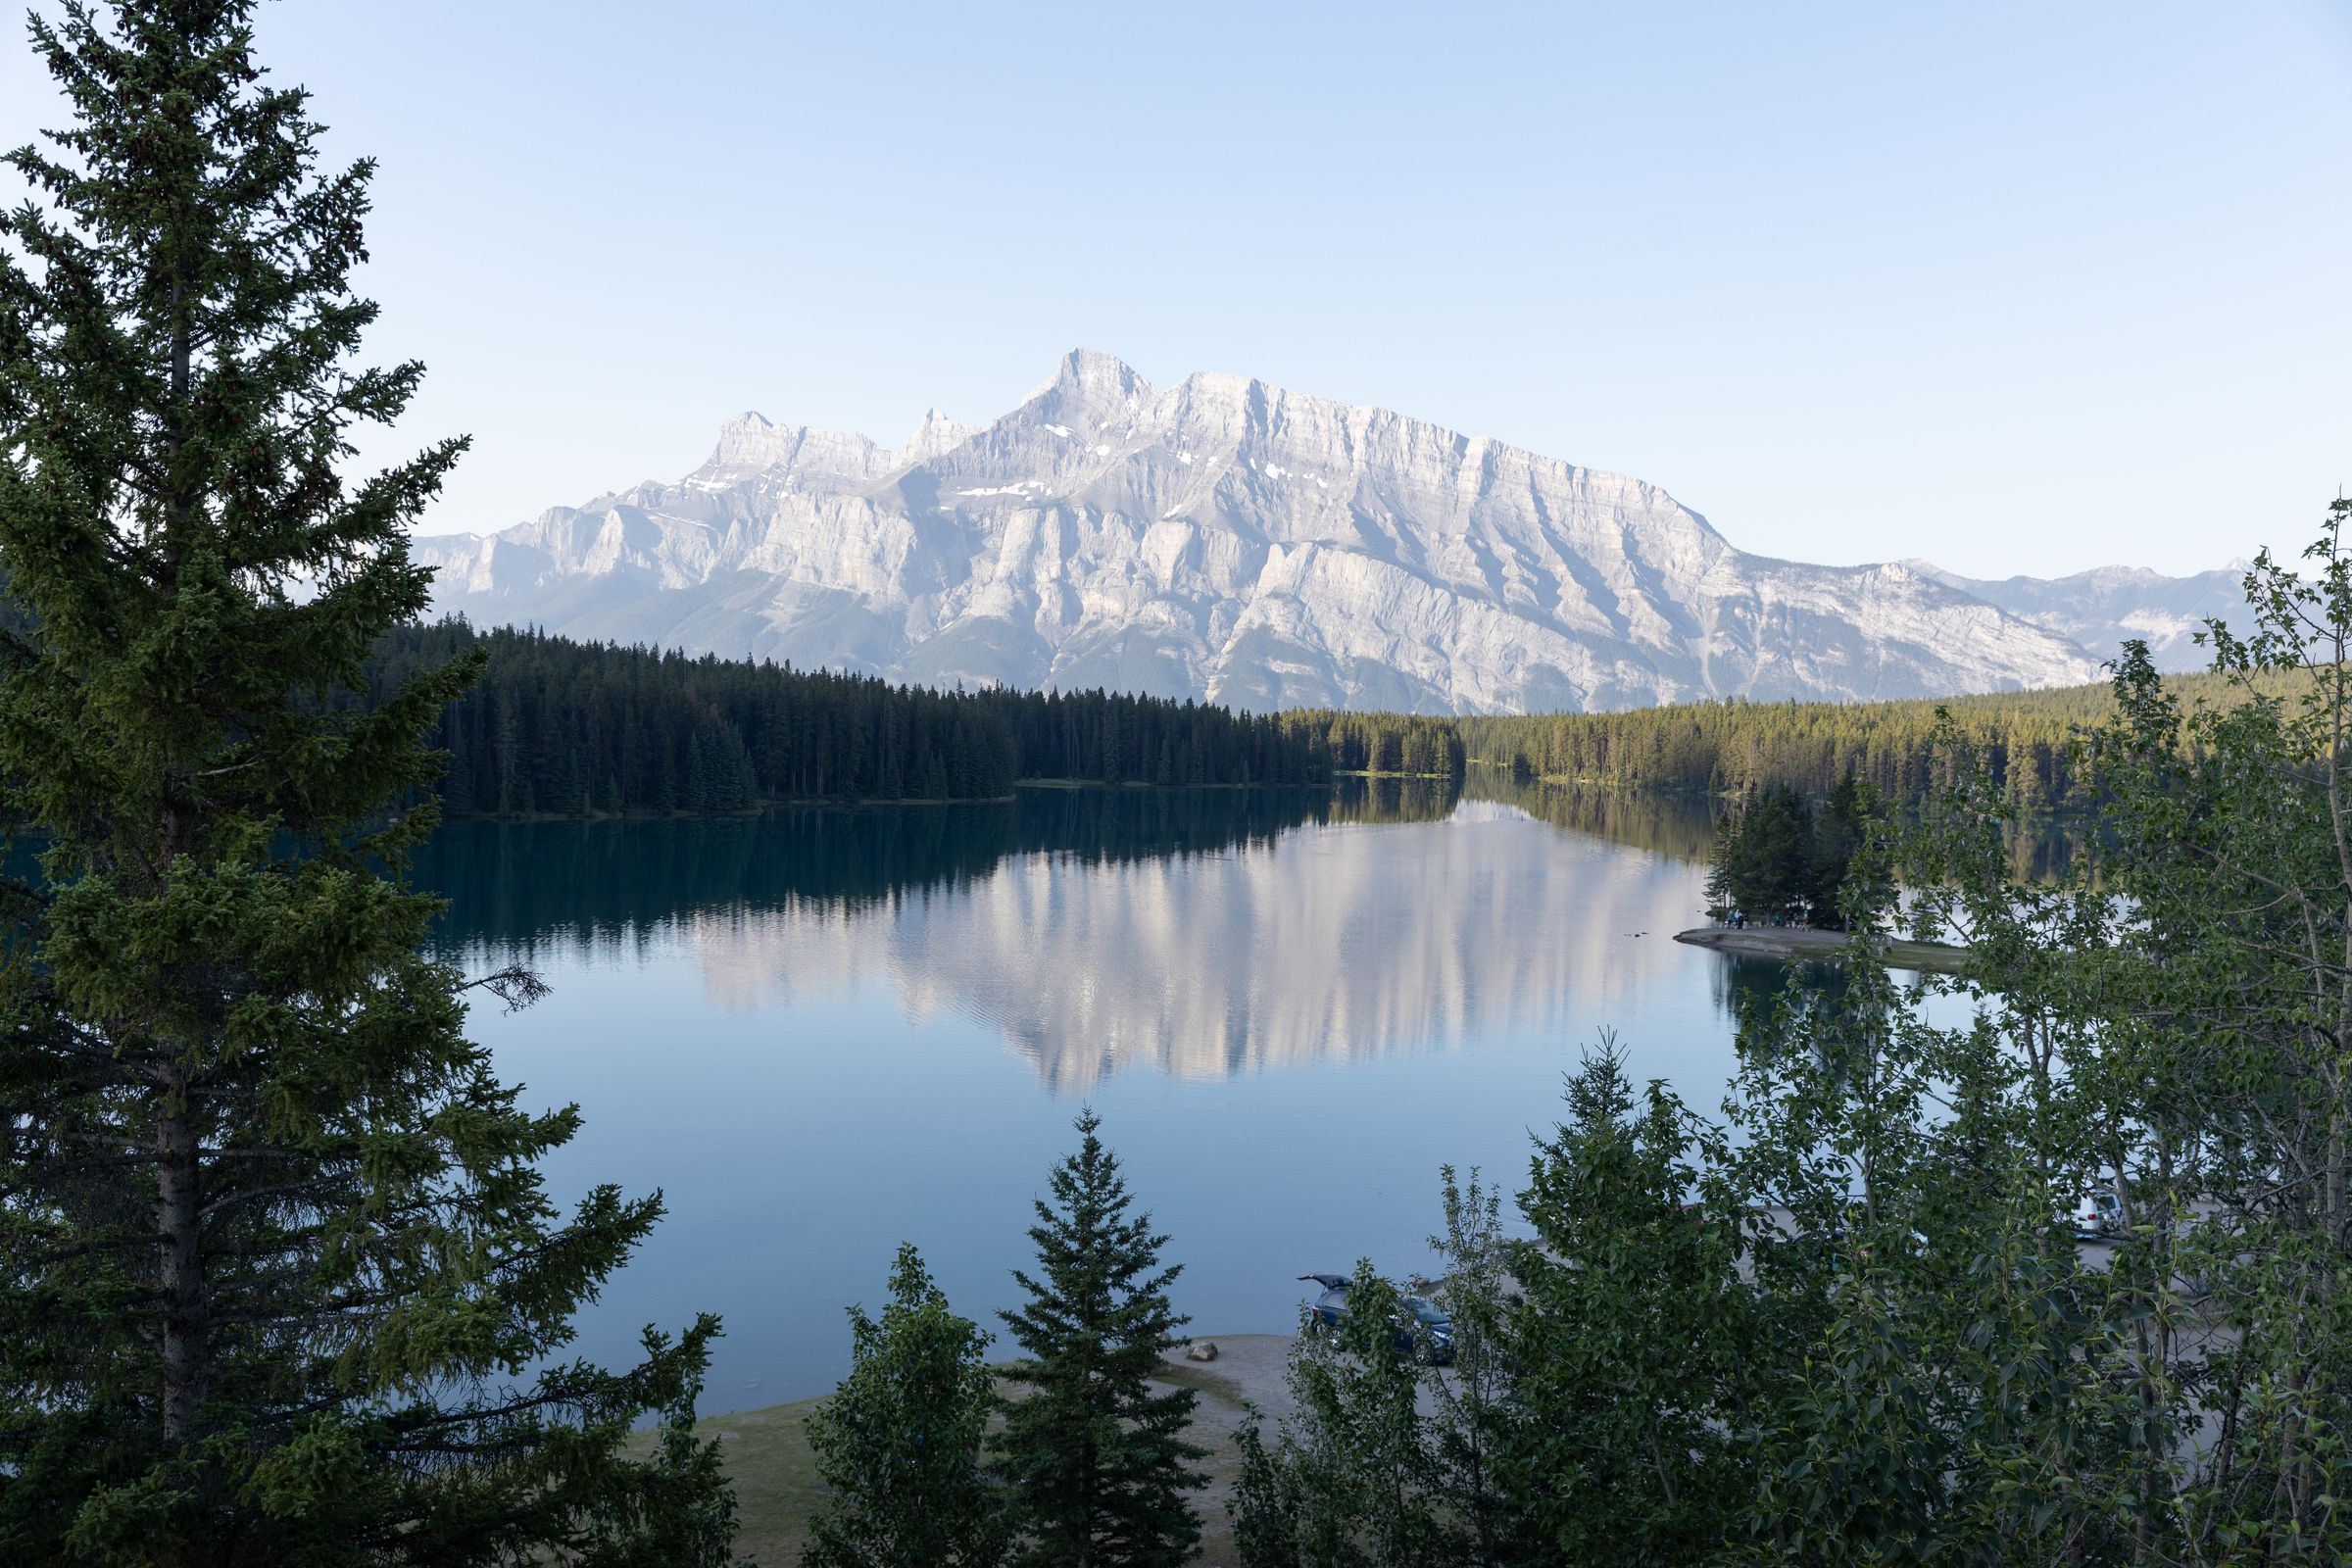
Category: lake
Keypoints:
(822, 1032)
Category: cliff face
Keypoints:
(1224, 539)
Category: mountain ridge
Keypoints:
(1222, 538)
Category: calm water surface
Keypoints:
(823, 1032)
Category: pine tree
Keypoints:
(1772, 867)
(1839, 832)
(1720, 863)
(898, 1445)
(1626, 1337)
(274, 1257)
(1098, 1454)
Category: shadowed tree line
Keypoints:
(1414, 745)
(562, 729)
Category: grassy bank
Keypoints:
(776, 1487)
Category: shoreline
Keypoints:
(1792, 943)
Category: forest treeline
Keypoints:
(556, 727)
(564, 728)
(1410, 745)
(1734, 747)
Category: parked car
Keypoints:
(1425, 1331)
(2098, 1213)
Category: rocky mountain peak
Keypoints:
(744, 439)
(937, 433)
(1091, 372)
(1087, 390)
(1220, 537)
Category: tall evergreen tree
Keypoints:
(898, 1445)
(1839, 831)
(274, 1257)
(1098, 1453)
(1721, 857)
(1614, 1443)
(1771, 866)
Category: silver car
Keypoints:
(2098, 1213)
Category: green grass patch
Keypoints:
(769, 1460)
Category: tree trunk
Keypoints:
(187, 1351)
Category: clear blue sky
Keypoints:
(2016, 287)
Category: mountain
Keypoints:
(2101, 609)
(1224, 539)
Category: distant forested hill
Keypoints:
(1732, 746)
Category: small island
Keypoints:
(1803, 942)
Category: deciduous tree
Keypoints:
(898, 1445)
(1356, 1477)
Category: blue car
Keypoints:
(1427, 1333)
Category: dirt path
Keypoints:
(1248, 1371)
(1248, 1368)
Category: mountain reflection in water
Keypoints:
(822, 1032)
(1197, 933)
